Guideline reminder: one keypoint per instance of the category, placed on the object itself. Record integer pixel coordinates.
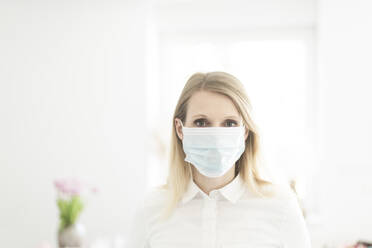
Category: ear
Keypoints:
(177, 124)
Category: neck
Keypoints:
(207, 184)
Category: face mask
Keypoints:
(213, 150)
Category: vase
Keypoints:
(72, 236)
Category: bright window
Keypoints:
(276, 69)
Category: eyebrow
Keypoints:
(230, 116)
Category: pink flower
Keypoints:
(68, 186)
(72, 187)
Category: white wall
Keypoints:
(234, 15)
(71, 104)
(345, 60)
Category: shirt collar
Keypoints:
(231, 191)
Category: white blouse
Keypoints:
(229, 217)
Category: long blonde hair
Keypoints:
(179, 173)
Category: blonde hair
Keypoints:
(179, 173)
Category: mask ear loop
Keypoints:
(190, 170)
(187, 163)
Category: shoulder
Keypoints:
(292, 225)
(283, 192)
(285, 197)
(279, 198)
(273, 191)
(278, 191)
(288, 207)
(145, 211)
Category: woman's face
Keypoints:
(209, 109)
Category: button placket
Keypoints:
(209, 221)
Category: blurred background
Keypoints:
(88, 89)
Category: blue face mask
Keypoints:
(213, 150)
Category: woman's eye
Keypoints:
(200, 123)
(203, 123)
(231, 123)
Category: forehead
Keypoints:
(211, 104)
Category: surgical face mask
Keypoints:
(213, 150)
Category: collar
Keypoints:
(231, 191)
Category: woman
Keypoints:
(214, 195)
